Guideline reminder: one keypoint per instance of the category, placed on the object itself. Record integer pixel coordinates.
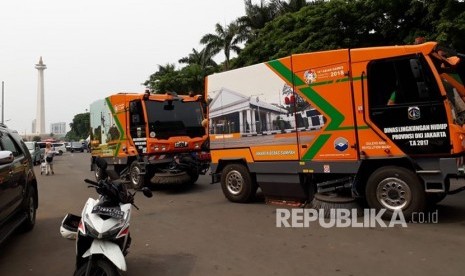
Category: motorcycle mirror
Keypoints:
(146, 191)
(101, 163)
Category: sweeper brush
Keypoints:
(335, 194)
(334, 201)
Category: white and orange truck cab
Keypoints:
(161, 138)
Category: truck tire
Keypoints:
(237, 184)
(395, 188)
(135, 178)
(194, 177)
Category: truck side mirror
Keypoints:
(133, 107)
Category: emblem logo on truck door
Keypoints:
(414, 113)
(310, 76)
(341, 144)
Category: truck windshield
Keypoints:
(175, 118)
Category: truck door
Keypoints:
(137, 125)
(325, 117)
(405, 103)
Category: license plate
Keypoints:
(180, 144)
(107, 211)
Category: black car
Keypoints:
(18, 185)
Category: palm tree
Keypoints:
(164, 69)
(224, 39)
(199, 65)
(296, 5)
(255, 18)
(204, 59)
(290, 6)
(155, 78)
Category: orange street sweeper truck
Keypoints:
(384, 124)
(157, 138)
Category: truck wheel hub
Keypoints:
(393, 193)
(234, 182)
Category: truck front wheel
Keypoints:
(135, 176)
(395, 189)
(237, 183)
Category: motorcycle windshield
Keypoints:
(175, 118)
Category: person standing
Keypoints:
(49, 153)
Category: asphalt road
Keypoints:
(198, 232)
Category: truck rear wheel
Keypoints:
(237, 183)
(136, 179)
(395, 188)
(194, 176)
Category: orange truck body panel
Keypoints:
(322, 111)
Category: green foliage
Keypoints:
(275, 28)
(80, 127)
(224, 39)
(166, 79)
(337, 24)
(36, 139)
(188, 79)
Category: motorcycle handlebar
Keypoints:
(91, 182)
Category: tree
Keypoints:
(204, 59)
(275, 28)
(325, 25)
(224, 39)
(166, 79)
(80, 127)
(449, 25)
(199, 65)
(255, 18)
(290, 6)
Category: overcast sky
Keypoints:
(93, 48)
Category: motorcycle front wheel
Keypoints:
(100, 267)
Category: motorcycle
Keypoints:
(102, 231)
